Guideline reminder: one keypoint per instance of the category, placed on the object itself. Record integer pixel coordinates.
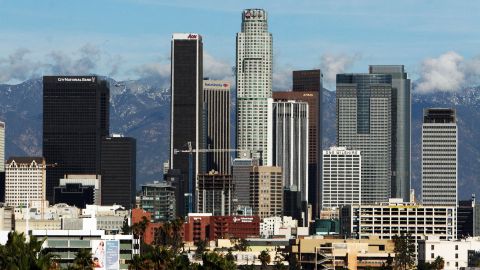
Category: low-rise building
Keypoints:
(277, 226)
(455, 253)
(313, 252)
(66, 243)
(386, 220)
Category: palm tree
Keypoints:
(161, 258)
(83, 259)
(264, 258)
(138, 263)
(213, 260)
(439, 263)
(20, 254)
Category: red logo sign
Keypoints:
(192, 36)
(225, 85)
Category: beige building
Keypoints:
(24, 180)
(6, 214)
(349, 253)
(266, 191)
(37, 224)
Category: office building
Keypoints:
(288, 143)
(24, 180)
(75, 119)
(266, 191)
(439, 157)
(158, 198)
(2, 160)
(466, 218)
(216, 95)
(389, 219)
(215, 193)
(342, 177)
(187, 129)
(79, 190)
(401, 119)
(307, 87)
(254, 82)
(119, 167)
(364, 123)
(241, 170)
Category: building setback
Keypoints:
(364, 122)
(79, 190)
(119, 166)
(254, 82)
(342, 177)
(186, 123)
(216, 95)
(24, 181)
(75, 119)
(439, 157)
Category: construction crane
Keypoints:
(190, 152)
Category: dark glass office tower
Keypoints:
(401, 115)
(364, 122)
(118, 183)
(307, 86)
(75, 119)
(187, 113)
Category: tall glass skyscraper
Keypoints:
(401, 118)
(364, 122)
(254, 82)
(186, 121)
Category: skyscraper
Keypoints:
(75, 119)
(187, 113)
(118, 185)
(2, 160)
(401, 116)
(288, 143)
(364, 122)
(254, 82)
(439, 157)
(307, 87)
(216, 95)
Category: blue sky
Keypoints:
(128, 39)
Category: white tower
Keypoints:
(254, 82)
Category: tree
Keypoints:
(264, 258)
(404, 252)
(138, 263)
(439, 263)
(215, 261)
(22, 255)
(240, 244)
(125, 228)
(201, 248)
(83, 260)
(161, 257)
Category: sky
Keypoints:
(438, 41)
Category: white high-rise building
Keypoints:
(439, 157)
(254, 82)
(288, 143)
(24, 180)
(2, 147)
(342, 177)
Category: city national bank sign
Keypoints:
(76, 79)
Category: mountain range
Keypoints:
(141, 109)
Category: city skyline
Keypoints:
(344, 37)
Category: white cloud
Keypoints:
(217, 69)
(444, 73)
(332, 64)
(18, 67)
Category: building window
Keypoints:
(432, 247)
(456, 255)
(456, 247)
(432, 256)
